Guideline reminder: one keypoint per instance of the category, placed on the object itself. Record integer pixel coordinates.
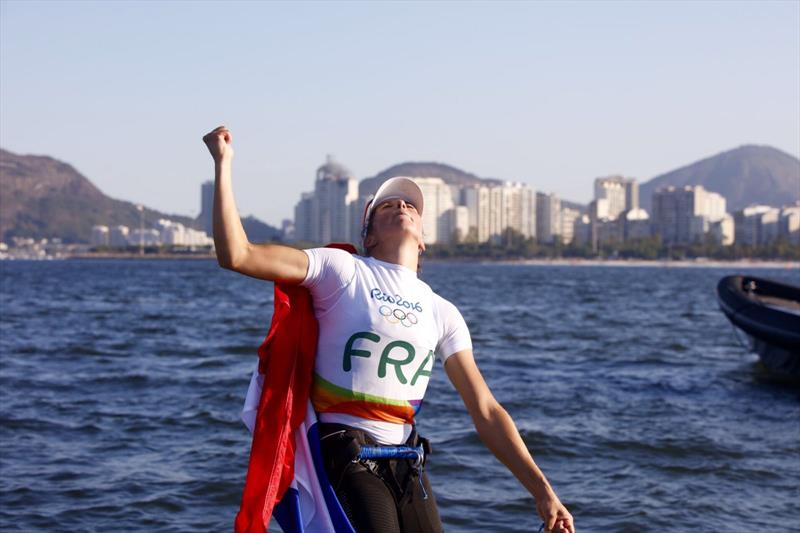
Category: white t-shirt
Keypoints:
(380, 328)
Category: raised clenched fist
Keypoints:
(220, 144)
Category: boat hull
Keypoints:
(766, 311)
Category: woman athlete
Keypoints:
(380, 328)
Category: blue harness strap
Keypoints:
(391, 452)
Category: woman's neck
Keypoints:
(406, 255)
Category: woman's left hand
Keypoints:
(555, 516)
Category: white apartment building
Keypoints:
(118, 237)
(459, 223)
(302, 217)
(482, 212)
(518, 209)
(100, 236)
(631, 194)
(748, 224)
(636, 224)
(326, 215)
(770, 226)
(436, 219)
(492, 209)
(609, 231)
(790, 224)
(548, 217)
(144, 237)
(207, 207)
(176, 234)
(476, 200)
(287, 229)
(568, 218)
(683, 215)
(582, 231)
(758, 225)
(723, 230)
(611, 189)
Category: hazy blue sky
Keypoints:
(552, 94)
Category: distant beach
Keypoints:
(687, 263)
(124, 255)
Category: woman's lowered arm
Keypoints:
(235, 252)
(498, 432)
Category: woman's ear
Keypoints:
(370, 240)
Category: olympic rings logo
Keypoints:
(397, 316)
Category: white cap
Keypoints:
(397, 187)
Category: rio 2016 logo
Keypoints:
(398, 316)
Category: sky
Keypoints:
(552, 94)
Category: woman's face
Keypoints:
(395, 216)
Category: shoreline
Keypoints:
(659, 263)
(576, 262)
(145, 256)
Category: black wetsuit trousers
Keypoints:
(381, 496)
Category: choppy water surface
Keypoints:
(122, 382)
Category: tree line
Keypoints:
(513, 245)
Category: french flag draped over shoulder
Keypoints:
(285, 476)
(310, 503)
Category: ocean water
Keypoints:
(121, 384)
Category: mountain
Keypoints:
(450, 175)
(746, 175)
(43, 197)
(258, 231)
(581, 208)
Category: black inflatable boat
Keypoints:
(769, 313)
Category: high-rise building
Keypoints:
(758, 225)
(683, 215)
(770, 226)
(326, 215)
(100, 236)
(609, 231)
(436, 221)
(458, 223)
(631, 194)
(722, 231)
(145, 237)
(172, 233)
(613, 190)
(287, 230)
(495, 208)
(636, 224)
(747, 224)
(207, 207)
(518, 209)
(568, 218)
(790, 224)
(582, 231)
(335, 189)
(476, 200)
(548, 217)
(118, 237)
(302, 218)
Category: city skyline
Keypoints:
(551, 95)
(464, 210)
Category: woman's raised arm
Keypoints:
(272, 262)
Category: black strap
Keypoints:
(346, 442)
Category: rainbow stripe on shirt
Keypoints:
(329, 398)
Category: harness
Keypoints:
(352, 446)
